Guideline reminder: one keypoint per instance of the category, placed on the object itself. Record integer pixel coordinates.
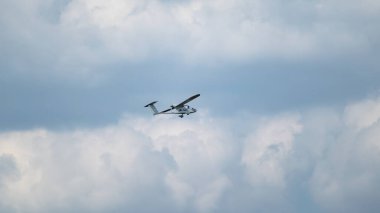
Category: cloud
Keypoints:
(78, 37)
(114, 168)
(363, 114)
(309, 161)
(346, 177)
(209, 30)
(83, 63)
(266, 149)
(60, 171)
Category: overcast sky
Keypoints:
(287, 121)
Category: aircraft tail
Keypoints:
(152, 107)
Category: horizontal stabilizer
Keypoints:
(152, 107)
(151, 103)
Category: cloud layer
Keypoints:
(240, 30)
(84, 62)
(275, 76)
(78, 36)
(320, 160)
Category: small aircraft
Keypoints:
(180, 109)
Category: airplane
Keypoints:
(180, 109)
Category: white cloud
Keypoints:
(114, 167)
(346, 175)
(200, 150)
(199, 30)
(91, 170)
(363, 114)
(88, 33)
(267, 148)
(200, 165)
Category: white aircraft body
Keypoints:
(180, 109)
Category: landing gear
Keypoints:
(181, 116)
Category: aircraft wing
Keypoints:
(187, 100)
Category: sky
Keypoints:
(288, 119)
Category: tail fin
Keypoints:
(152, 107)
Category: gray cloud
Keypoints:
(7, 167)
(87, 34)
(84, 63)
(81, 65)
(9, 173)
